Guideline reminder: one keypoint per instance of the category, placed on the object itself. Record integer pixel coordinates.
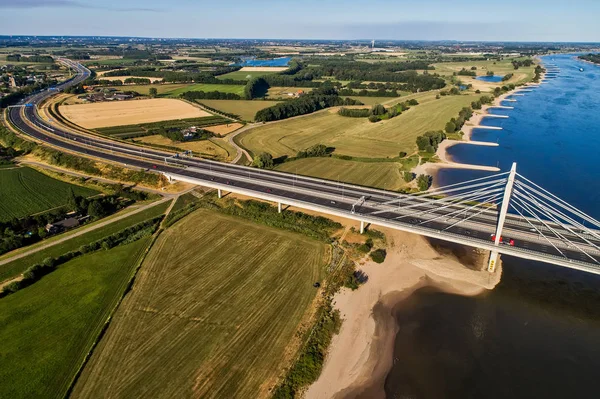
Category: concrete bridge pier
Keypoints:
(219, 193)
(493, 262)
(362, 227)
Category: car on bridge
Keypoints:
(505, 241)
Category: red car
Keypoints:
(509, 241)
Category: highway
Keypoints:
(410, 213)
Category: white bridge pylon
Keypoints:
(506, 203)
(502, 216)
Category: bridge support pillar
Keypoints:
(493, 262)
(219, 193)
(279, 207)
(362, 227)
(502, 216)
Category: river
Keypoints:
(538, 333)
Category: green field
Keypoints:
(239, 90)
(241, 75)
(175, 89)
(25, 191)
(18, 266)
(384, 175)
(246, 109)
(373, 100)
(501, 68)
(111, 61)
(356, 136)
(49, 327)
(213, 308)
(145, 89)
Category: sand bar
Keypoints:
(361, 354)
(263, 69)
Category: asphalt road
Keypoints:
(415, 213)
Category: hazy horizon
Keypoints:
(433, 20)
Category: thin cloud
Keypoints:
(67, 4)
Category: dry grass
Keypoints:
(213, 308)
(246, 109)
(224, 129)
(207, 147)
(356, 136)
(263, 69)
(384, 175)
(132, 112)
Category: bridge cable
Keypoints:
(556, 233)
(566, 205)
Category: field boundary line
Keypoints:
(128, 288)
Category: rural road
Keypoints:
(82, 231)
(240, 151)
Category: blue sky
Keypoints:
(515, 20)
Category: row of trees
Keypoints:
(32, 58)
(175, 134)
(314, 101)
(430, 141)
(465, 72)
(317, 150)
(256, 88)
(595, 58)
(483, 100)
(367, 93)
(180, 77)
(209, 95)
(455, 124)
(39, 270)
(19, 232)
(522, 63)
(378, 111)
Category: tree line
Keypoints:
(311, 102)
(36, 272)
(595, 58)
(32, 58)
(209, 95)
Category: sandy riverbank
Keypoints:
(362, 353)
(474, 122)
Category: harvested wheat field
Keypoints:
(120, 113)
(214, 307)
(223, 129)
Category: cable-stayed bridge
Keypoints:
(504, 213)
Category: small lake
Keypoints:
(490, 79)
(274, 62)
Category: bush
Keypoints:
(408, 176)
(263, 160)
(424, 182)
(379, 255)
(402, 154)
(366, 247)
(374, 118)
